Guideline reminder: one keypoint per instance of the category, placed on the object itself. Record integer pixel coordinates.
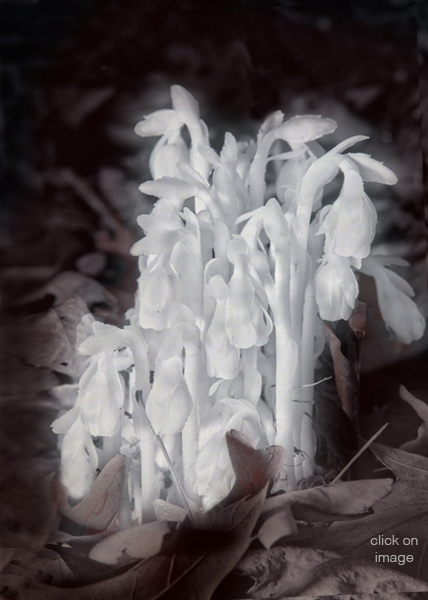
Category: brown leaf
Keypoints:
(358, 320)
(343, 376)
(140, 541)
(410, 468)
(47, 340)
(420, 444)
(277, 526)
(68, 284)
(254, 468)
(403, 513)
(44, 564)
(203, 552)
(99, 507)
(342, 498)
(289, 572)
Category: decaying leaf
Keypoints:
(289, 572)
(142, 541)
(402, 513)
(44, 564)
(67, 284)
(277, 526)
(342, 498)
(420, 444)
(47, 340)
(344, 379)
(358, 320)
(97, 510)
(201, 554)
(254, 468)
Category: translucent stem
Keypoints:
(190, 432)
(286, 363)
(146, 441)
(307, 440)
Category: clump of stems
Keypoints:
(238, 269)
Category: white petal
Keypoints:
(78, 461)
(373, 170)
(158, 122)
(168, 187)
(185, 105)
(305, 128)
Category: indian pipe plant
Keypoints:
(236, 277)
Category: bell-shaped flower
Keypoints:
(101, 396)
(187, 108)
(79, 459)
(214, 478)
(247, 322)
(156, 293)
(127, 347)
(394, 295)
(221, 355)
(169, 403)
(349, 224)
(159, 122)
(336, 288)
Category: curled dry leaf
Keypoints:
(343, 375)
(97, 510)
(43, 564)
(202, 553)
(288, 572)
(358, 320)
(420, 444)
(67, 284)
(342, 498)
(47, 340)
(254, 468)
(142, 541)
(277, 526)
(402, 513)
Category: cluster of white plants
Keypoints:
(236, 276)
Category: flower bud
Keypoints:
(336, 288)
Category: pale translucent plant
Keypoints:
(227, 325)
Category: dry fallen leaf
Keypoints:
(402, 513)
(342, 498)
(420, 444)
(343, 375)
(97, 510)
(277, 526)
(141, 541)
(288, 572)
(202, 552)
(254, 468)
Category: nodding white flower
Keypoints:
(221, 355)
(101, 396)
(336, 288)
(394, 295)
(349, 224)
(247, 322)
(99, 401)
(215, 477)
(79, 458)
(169, 402)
